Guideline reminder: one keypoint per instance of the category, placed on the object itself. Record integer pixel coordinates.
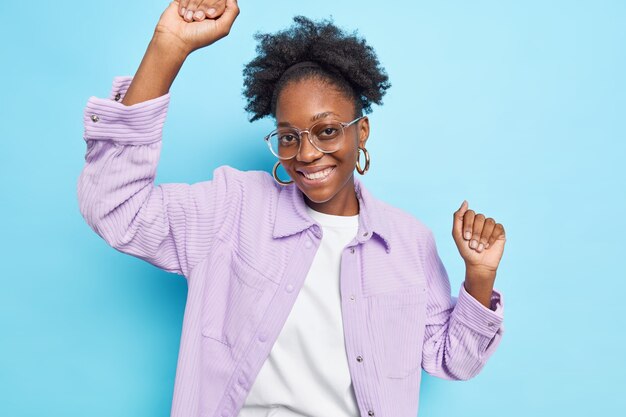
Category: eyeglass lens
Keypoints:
(326, 136)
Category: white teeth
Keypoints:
(319, 175)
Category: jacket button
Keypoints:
(370, 413)
(94, 118)
(351, 250)
(289, 288)
(308, 244)
(262, 337)
(359, 358)
(118, 96)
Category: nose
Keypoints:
(307, 151)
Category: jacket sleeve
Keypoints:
(171, 226)
(461, 333)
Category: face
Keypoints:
(302, 103)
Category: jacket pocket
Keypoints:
(235, 297)
(398, 320)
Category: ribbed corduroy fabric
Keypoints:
(245, 245)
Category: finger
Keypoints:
(457, 223)
(214, 8)
(182, 7)
(498, 233)
(199, 15)
(191, 9)
(477, 229)
(468, 224)
(225, 21)
(201, 9)
(486, 233)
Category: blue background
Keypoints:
(518, 107)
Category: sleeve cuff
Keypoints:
(109, 119)
(476, 316)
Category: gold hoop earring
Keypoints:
(358, 162)
(278, 180)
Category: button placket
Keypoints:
(242, 380)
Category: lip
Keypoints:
(307, 181)
(314, 169)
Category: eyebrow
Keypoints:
(314, 118)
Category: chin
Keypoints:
(316, 196)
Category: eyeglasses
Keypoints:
(326, 136)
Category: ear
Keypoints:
(364, 131)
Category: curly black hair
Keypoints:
(345, 60)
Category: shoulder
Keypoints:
(403, 224)
(398, 217)
(245, 178)
(249, 183)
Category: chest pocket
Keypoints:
(398, 321)
(235, 297)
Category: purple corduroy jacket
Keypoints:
(245, 245)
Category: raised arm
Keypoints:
(170, 225)
(173, 40)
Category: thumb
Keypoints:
(225, 21)
(457, 223)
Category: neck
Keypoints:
(344, 203)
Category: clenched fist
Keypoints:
(480, 240)
(196, 23)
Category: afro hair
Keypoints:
(345, 60)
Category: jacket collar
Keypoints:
(291, 216)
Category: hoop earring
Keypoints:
(278, 180)
(367, 161)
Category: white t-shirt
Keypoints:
(306, 373)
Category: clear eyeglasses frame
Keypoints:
(281, 144)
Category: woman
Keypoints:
(307, 297)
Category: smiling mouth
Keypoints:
(318, 176)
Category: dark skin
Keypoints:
(297, 104)
(479, 239)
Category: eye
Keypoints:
(328, 132)
(287, 139)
